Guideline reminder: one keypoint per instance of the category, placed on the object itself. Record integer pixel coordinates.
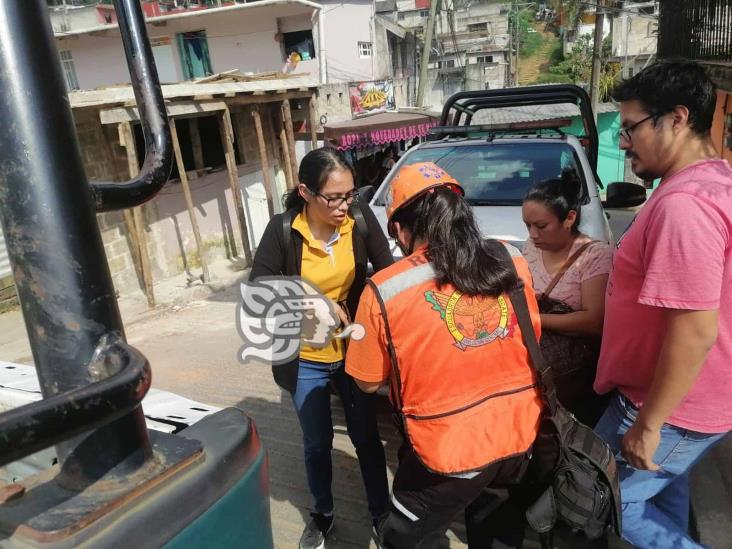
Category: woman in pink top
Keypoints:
(572, 303)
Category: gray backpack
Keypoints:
(571, 464)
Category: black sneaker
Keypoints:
(313, 537)
(377, 527)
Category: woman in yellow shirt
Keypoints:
(318, 239)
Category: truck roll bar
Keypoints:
(158, 161)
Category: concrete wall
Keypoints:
(635, 40)
(333, 102)
(64, 19)
(610, 160)
(346, 24)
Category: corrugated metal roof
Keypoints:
(507, 115)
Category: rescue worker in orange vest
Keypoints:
(441, 330)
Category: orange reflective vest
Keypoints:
(461, 378)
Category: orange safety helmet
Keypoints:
(412, 181)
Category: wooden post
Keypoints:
(134, 244)
(287, 116)
(189, 199)
(290, 178)
(196, 144)
(240, 135)
(227, 139)
(138, 215)
(263, 158)
(314, 121)
(270, 123)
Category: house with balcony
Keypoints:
(470, 48)
(634, 36)
(249, 88)
(331, 41)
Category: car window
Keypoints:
(499, 173)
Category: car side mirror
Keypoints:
(366, 193)
(624, 195)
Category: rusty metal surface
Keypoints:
(53, 241)
(49, 512)
(123, 377)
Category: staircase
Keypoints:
(531, 67)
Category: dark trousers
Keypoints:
(424, 504)
(312, 403)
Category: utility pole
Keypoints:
(426, 49)
(517, 9)
(596, 55)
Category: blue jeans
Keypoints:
(655, 504)
(312, 403)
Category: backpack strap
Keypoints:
(287, 231)
(521, 308)
(357, 214)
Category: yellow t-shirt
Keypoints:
(330, 267)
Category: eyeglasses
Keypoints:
(336, 201)
(627, 133)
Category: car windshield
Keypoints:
(499, 173)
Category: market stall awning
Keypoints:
(378, 129)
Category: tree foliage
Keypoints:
(576, 66)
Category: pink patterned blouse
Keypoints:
(596, 260)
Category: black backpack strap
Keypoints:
(286, 231)
(357, 214)
(521, 308)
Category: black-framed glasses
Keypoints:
(627, 133)
(336, 201)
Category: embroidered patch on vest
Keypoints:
(473, 321)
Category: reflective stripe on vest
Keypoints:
(461, 380)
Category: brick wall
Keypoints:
(170, 243)
(105, 160)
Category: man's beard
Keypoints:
(644, 173)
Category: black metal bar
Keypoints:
(695, 29)
(52, 237)
(158, 161)
(33, 427)
(474, 101)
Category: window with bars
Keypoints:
(424, 13)
(484, 59)
(67, 62)
(364, 50)
(476, 27)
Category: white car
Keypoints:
(497, 166)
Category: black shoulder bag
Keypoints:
(575, 464)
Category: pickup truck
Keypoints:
(498, 163)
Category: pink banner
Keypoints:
(383, 137)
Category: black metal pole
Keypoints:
(158, 160)
(52, 237)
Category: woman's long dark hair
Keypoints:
(560, 195)
(455, 247)
(315, 168)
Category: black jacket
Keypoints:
(272, 259)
